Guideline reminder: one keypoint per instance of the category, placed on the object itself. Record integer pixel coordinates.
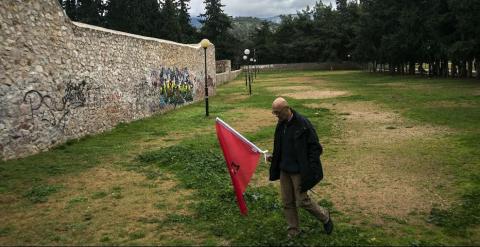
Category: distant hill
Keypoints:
(242, 20)
(273, 19)
(243, 26)
(195, 22)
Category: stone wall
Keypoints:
(311, 66)
(223, 66)
(61, 80)
(225, 77)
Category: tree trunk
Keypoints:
(412, 68)
(441, 67)
(445, 67)
(421, 70)
(463, 66)
(477, 67)
(470, 69)
(436, 68)
(454, 69)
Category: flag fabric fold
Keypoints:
(241, 157)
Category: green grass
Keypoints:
(416, 99)
(197, 164)
(40, 193)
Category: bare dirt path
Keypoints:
(377, 172)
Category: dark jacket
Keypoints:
(307, 149)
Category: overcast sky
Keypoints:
(257, 8)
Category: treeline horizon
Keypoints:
(166, 19)
(438, 37)
(434, 37)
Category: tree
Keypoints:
(119, 15)
(188, 33)
(170, 27)
(90, 11)
(134, 16)
(86, 11)
(465, 47)
(216, 25)
(263, 43)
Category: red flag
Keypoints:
(241, 157)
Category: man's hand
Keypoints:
(269, 157)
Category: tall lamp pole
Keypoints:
(244, 71)
(253, 68)
(255, 63)
(205, 43)
(247, 52)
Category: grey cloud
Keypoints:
(258, 8)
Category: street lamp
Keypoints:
(254, 65)
(253, 68)
(247, 52)
(256, 68)
(245, 72)
(205, 43)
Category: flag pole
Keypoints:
(257, 149)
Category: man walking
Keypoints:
(296, 162)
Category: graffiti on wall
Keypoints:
(55, 110)
(163, 87)
(159, 88)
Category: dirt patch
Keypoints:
(293, 78)
(476, 92)
(235, 97)
(317, 94)
(446, 103)
(249, 119)
(178, 236)
(375, 173)
(172, 138)
(290, 88)
(97, 204)
(292, 81)
(238, 81)
(391, 84)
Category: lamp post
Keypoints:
(253, 68)
(205, 43)
(245, 72)
(255, 63)
(247, 52)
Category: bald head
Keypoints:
(281, 109)
(279, 103)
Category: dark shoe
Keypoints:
(328, 226)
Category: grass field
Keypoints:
(401, 161)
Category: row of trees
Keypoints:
(406, 36)
(409, 36)
(315, 34)
(166, 19)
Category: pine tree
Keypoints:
(216, 26)
(119, 15)
(187, 31)
(134, 16)
(170, 27)
(90, 12)
(70, 7)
